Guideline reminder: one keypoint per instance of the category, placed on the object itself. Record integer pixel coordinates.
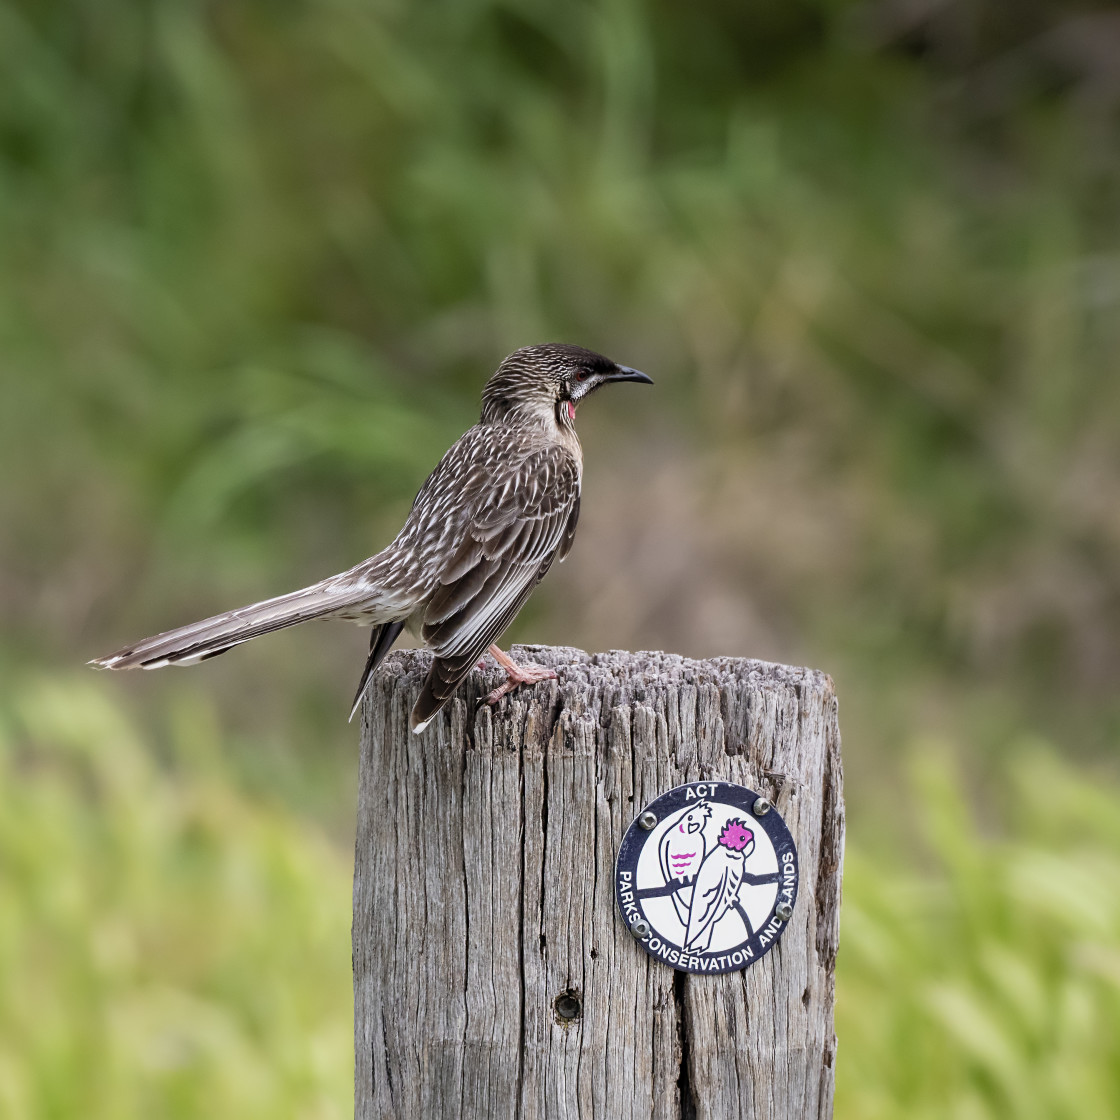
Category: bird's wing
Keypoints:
(381, 640)
(663, 852)
(569, 531)
(703, 847)
(666, 841)
(733, 881)
(706, 897)
(519, 521)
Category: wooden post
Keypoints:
(484, 909)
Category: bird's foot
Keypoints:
(519, 675)
(516, 675)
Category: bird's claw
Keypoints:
(519, 675)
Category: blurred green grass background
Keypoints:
(256, 261)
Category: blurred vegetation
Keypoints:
(171, 948)
(166, 947)
(256, 261)
(984, 981)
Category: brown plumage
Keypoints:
(499, 508)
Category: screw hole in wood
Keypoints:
(568, 1005)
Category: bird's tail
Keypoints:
(211, 636)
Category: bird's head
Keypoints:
(736, 837)
(545, 383)
(696, 817)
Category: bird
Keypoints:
(498, 509)
(717, 884)
(681, 851)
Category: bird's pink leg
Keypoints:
(516, 675)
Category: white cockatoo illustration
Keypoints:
(717, 884)
(681, 852)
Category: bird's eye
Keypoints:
(582, 374)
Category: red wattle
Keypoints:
(571, 411)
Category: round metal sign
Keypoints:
(706, 877)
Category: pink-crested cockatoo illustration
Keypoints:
(681, 852)
(717, 884)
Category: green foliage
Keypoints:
(170, 948)
(987, 984)
(166, 947)
(256, 260)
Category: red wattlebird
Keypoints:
(499, 508)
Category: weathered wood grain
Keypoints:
(483, 891)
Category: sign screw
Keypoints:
(761, 807)
(647, 820)
(783, 911)
(640, 928)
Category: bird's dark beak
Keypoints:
(625, 373)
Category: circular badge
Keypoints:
(706, 877)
